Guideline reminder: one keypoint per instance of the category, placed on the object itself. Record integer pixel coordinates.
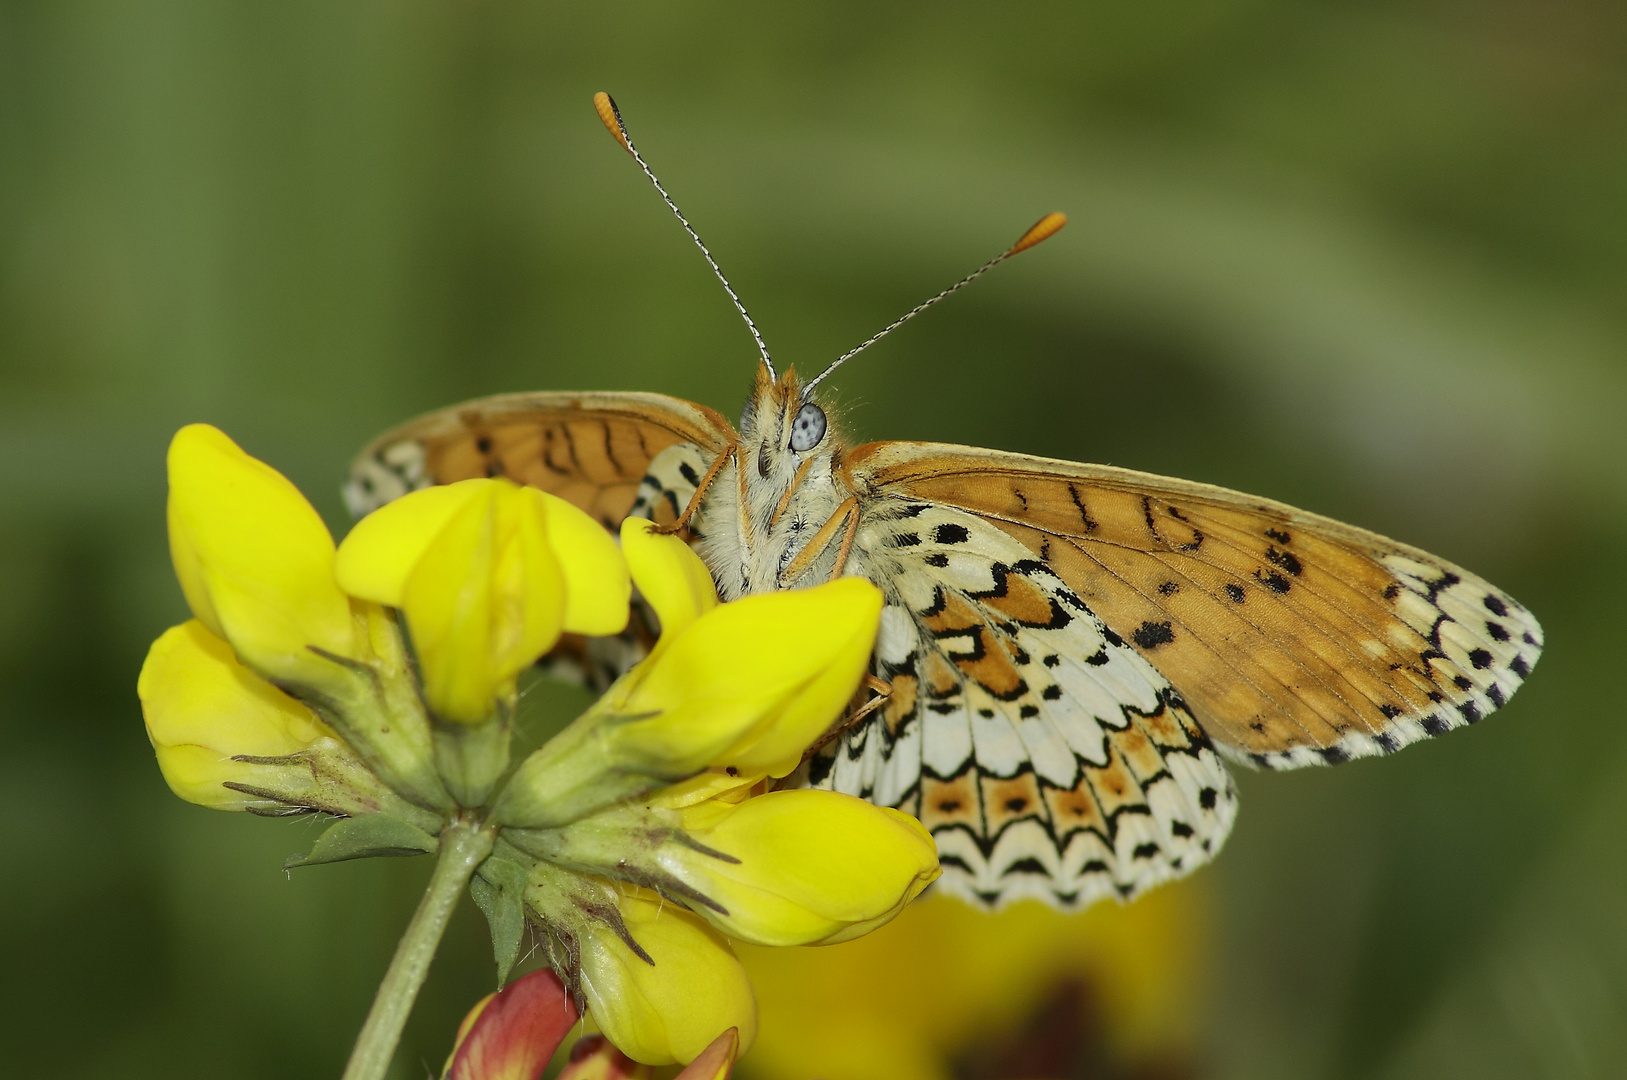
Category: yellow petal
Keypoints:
(482, 602)
(253, 558)
(669, 574)
(670, 1010)
(203, 707)
(816, 867)
(597, 588)
(488, 574)
(752, 683)
(378, 555)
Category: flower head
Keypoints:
(637, 842)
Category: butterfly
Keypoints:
(1069, 654)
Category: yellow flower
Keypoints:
(254, 559)
(747, 685)
(203, 708)
(671, 1006)
(488, 574)
(811, 867)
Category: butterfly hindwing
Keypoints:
(1295, 639)
(1048, 758)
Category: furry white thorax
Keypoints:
(748, 551)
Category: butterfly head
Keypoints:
(782, 425)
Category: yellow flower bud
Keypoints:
(749, 684)
(488, 574)
(815, 867)
(672, 1009)
(203, 708)
(254, 559)
(669, 574)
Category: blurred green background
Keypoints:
(1366, 258)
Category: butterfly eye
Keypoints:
(808, 428)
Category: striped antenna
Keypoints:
(1042, 229)
(606, 106)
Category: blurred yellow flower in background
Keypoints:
(911, 1000)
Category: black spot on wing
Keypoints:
(1272, 580)
(938, 559)
(1480, 658)
(1284, 559)
(1279, 536)
(1234, 592)
(1496, 606)
(1150, 635)
(950, 533)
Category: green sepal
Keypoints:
(499, 890)
(369, 837)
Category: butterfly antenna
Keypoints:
(1042, 229)
(606, 106)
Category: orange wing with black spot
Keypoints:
(1295, 639)
(591, 449)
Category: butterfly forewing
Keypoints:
(1295, 639)
(592, 449)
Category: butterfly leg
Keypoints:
(846, 516)
(726, 455)
(883, 691)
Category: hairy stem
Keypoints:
(464, 845)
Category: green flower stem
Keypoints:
(464, 846)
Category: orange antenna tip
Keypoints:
(605, 105)
(1045, 228)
